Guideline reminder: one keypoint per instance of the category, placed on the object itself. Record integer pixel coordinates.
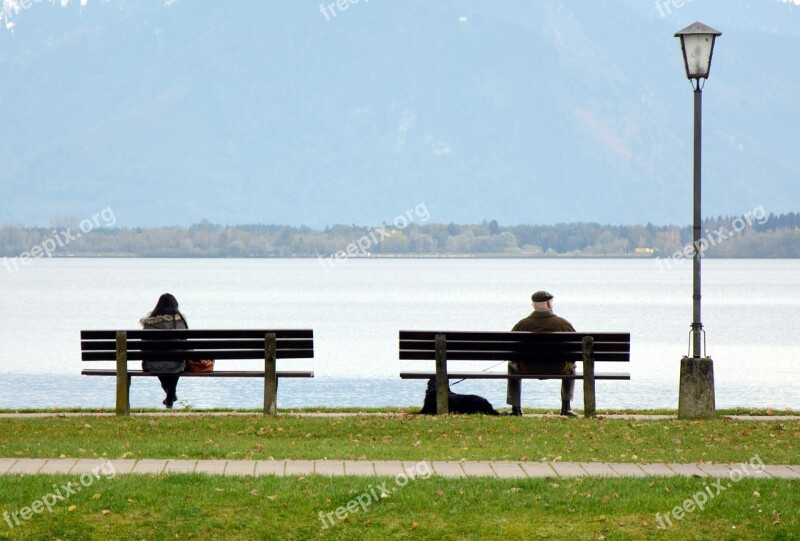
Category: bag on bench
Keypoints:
(201, 366)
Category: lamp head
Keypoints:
(697, 45)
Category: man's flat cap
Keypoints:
(541, 296)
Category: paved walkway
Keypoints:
(391, 468)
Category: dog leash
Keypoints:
(484, 370)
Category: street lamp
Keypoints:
(696, 393)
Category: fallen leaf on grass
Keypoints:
(72, 508)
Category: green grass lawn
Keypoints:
(206, 507)
(211, 508)
(405, 437)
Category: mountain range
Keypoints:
(355, 111)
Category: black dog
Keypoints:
(458, 403)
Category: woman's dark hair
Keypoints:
(167, 305)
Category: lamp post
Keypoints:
(696, 393)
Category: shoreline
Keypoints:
(375, 257)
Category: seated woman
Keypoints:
(165, 315)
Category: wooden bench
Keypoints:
(583, 347)
(181, 344)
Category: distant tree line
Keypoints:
(772, 236)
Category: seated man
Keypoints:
(541, 320)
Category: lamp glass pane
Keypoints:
(698, 48)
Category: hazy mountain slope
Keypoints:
(521, 111)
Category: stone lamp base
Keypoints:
(696, 391)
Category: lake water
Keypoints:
(751, 312)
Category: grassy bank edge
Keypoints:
(741, 411)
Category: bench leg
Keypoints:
(270, 377)
(442, 383)
(589, 409)
(123, 379)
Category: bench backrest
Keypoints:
(514, 346)
(180, 344)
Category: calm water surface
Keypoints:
(751, 312)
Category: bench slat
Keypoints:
(537, 338)
(219, 374)
(196, 355)
(198, 333)
(518, 346)
(159, 344)
(504, 375)
(511, 356)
